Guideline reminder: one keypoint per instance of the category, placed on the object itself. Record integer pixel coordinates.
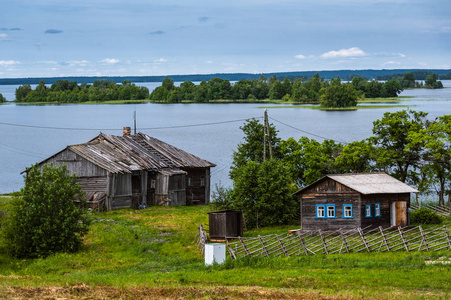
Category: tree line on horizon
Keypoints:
(347, 75)
(313, 90)
(329, 93)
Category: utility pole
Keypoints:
(266, 136)
(134, 119)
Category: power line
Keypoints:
(25, 152)
(195, 125)
(111, 129)
(309, 133)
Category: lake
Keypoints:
(31, 133)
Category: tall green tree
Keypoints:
(22, 92)
(251, 149)
(263, 191)
(436, 166)
(391, 137)
(356, 157)
(339, 95)
(168, 83)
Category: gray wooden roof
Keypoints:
(370, 183)
(119, 154)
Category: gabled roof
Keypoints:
(368, 183)
(125, 154)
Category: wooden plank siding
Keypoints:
(308, 211)
(197, 185)
(76, 164)
(328, 185)
(385, 200)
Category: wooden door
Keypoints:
(399, 213)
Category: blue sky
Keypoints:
(43, 38)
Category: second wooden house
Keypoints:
(355, 200)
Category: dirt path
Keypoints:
(107, 292)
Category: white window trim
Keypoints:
(351, 211)
(368, 211)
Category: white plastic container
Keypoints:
(214, 252)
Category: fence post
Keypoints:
(263, 244)
(324, 241)
(447, 236)
(385, 238)
(423, 236)
(244, 246)
(363, 239)
(302, 243)
(403, 239)
(232, 253)
(344, 241)
(281, 245)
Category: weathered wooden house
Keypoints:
(355, 200)
(132, 170)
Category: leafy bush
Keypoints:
(45, 220)
(424, 216)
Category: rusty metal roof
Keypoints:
(119, 154)
(370, 183)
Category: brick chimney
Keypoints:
(126, 131)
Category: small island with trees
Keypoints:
(328, 94)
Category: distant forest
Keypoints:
(343, 74)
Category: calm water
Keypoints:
(214, 140)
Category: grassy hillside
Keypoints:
(151, 254)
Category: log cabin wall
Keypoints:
(385, 201)
(309, 202)
(329, 192)
(197, 186)
(177, 190)
(122, 197)
(76, 164)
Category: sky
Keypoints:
(52, 38)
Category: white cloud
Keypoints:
(354, 51)
(446, 29)
(3, 37)
(81, 63)
(300, 56)
(110, 61)
(391, 62)
(209, 62)
(160, 60)
(4, 63)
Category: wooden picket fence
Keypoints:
(440, 210)
(342, 241)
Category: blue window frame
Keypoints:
(347, 211)
(320, 211)
(377, 209)
(368, 211)
(330, 211)
(325, 211)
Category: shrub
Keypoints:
(222, 198)
(424, 216)
(45, 220)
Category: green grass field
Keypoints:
(151, 253)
